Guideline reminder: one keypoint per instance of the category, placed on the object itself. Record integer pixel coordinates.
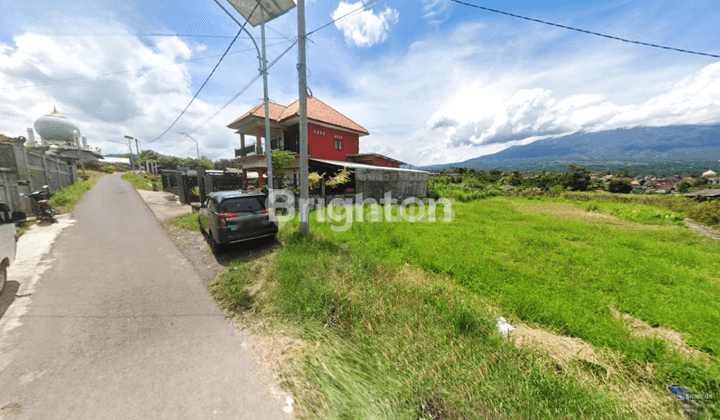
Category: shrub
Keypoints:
(620, 186)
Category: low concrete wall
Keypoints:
(374, 183)
(26, 170)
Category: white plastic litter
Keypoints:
(503, 327)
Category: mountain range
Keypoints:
(684, 149)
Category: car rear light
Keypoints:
(222, 216)
(271, 210)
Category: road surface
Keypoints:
(113, 323)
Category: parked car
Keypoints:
(236, 216)
(8, 240)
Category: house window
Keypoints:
(338, 144)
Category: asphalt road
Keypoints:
(113, 323)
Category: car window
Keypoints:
(212, 204)
(242, 205)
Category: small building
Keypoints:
(709, 174)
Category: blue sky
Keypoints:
(433, 81)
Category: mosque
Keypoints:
(62, 137)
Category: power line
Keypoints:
(153, 35)
(630, 41)
(210, 75)
(246, 87)
(201, 88)
(132, 70)
(364, 7)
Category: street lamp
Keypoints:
(132, 161)
(196, 144)
(269, 10)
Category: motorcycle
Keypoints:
(42, 207)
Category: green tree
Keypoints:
(577, 178)
(146, 155)
(280, 160)
(620, 186)
(221, 164)
(168, 162)
(683, 187)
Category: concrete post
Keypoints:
(201, 182)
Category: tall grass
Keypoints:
(389, 342)
(567, 274)
(67, 198)
(150, 182)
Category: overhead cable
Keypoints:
(208, 78)
(630, 41)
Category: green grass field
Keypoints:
(402, 314)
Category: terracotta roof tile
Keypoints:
(276, 110)
(317, 110)
(320, 111)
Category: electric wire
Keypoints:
(153, 35)
(364, 7)
(246, 87)
(133, 70)
(630, 41)
(208, 78)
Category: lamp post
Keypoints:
(132, 161)
(269, 10)
(196, 144)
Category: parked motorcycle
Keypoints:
(42, 207)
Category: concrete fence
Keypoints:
(25, 170)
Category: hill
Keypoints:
(684, 149)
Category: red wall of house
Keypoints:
(321, 143)
(376, 161)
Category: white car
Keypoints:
(8, 240)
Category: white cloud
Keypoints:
(538, 112)
(435, 10)
(72, 75)
(364, 28)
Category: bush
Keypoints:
(620, 186)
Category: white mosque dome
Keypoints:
(54, 126)
(709, 174)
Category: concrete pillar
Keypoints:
(244, 178)
(242, 142)
(260, 177)
(201, 182)
(258, 136)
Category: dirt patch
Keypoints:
(673, 339)
(573, 212)
(703, 230)
(561, 348)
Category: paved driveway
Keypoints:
(113, 323)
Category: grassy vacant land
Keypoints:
(150, 182)
(613, 302)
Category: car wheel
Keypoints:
(216, 247)
(3, 278)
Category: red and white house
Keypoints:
(331, 136)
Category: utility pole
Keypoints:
(196, 144)
(268, 143)
(302, 82)
(132, 161)
(138, 151)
